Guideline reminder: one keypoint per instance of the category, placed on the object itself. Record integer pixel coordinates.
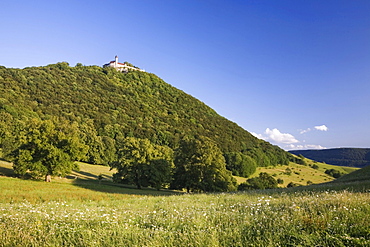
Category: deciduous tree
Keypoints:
(263, 181)
(240, 164)
(47, 148)
(142, 163)
(200, 166)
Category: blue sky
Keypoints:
(293, 72)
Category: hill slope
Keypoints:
(109, 105)
(357, 157)
(360, 175)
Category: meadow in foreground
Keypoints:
(326, 218)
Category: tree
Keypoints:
(6, 125)
(263, 181)
(201, 167)
(314, 166)
(292, 184)
(159, 173)
(334, 173)
(47, 148)
(142, 163)
(240, 164)
(95, 154)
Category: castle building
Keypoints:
(121, 66)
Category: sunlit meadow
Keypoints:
(326, 218)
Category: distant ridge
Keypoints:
(355, 157)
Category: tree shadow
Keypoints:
(6, 168)
(85, 175)
(107, 186)
(4, 171)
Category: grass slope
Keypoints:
(362, 174)
(81, 185)
(301, 174)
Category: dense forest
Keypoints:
(103, 107)
(356, 157)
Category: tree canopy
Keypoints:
(240, 164)
(200, 166)
(47, 149)
(109, 105)
(142, 163)
(263, 181)
(53, 115)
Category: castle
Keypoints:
(121, 66)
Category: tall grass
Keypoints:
(301, 218)
(78, 212)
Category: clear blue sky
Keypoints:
(293, 72)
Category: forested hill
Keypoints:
(108, 105)
(357, 157)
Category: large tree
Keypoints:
(201, 167)
(240, 164)
(263, 181)
(142, 163)
(47, 148)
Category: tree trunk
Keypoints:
(48, 178)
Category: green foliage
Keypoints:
(292, 184)
(109, 105)
(263, 181)
(201, 167)
(301, 161)
(314, 166)
(334, 173)
(240, 164)
(142, 163)
(288, 171)
(47, 148)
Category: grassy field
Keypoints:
(301, 174)
(274, 218)
(82, 212)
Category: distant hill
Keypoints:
(355, 157)
(108, 105)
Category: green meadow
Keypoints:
(89, 212)
(301, 174)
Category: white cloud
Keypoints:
(305, 131)
(322, 128)
(288, 141)
(278, 137)
(260, 136)
(301, 147)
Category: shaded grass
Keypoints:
(6, 169)
(18, 190)
(359, 175)
(88, 171)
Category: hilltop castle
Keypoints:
(121, 66)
